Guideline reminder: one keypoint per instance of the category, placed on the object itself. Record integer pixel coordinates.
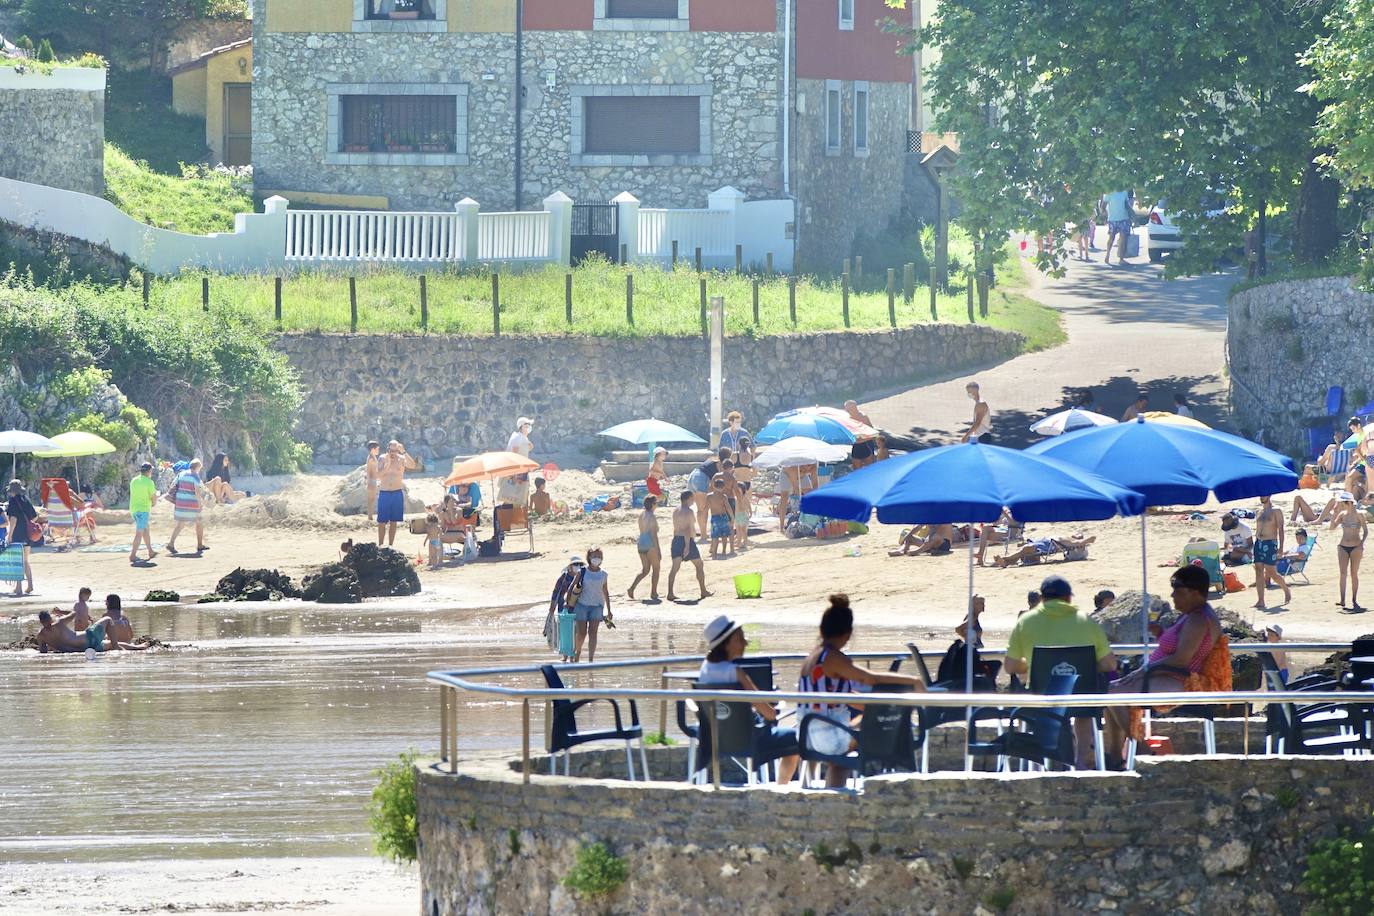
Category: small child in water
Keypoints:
(540, 502)
(436, 541)
(81, 611)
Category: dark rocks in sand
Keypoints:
(1337, 664)
(253, 585)
(162, 594)
(20, 644)
(366, 571)
(1121, 618)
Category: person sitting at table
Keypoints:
(1056, 622)
(725, 642)
(828, 670)
(1184, 660)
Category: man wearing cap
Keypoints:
(1056, 622)
(142, 496)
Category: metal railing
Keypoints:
(451, 682)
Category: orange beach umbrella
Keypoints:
(489, 466)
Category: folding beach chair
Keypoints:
(64, 511)
(1297, 566)
(1206, 554)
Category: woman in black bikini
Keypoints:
(1354, 529)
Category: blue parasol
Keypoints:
(813, 426)
(645, 432)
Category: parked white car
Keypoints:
(1161, 231)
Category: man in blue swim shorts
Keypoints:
(391, 493)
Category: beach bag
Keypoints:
(35, 531)
(567, 625)
(1132, 245)
(1078, 553)
(575, 590)
(1233, 583)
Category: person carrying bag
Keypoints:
(559, 623)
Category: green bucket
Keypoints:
(749, 585)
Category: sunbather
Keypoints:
(1041, 548)
(936, 542)
(1302, 507)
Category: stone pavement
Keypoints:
(1128, 328)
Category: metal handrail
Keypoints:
(451, 682)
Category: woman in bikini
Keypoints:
(1354, 529)
(828, 670)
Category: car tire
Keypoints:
(1156, 255)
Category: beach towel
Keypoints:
(56, 496)
(12, 564)
(186, 498)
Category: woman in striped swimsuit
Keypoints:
(186, 506)
(828, 670)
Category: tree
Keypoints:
(1056, 102)
(25, 43)
(45, 53)
(138, 28)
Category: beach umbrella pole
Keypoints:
(968, 652)
(1144, 593)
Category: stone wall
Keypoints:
(194, 38)
(842, 193)
(444, 396)
(1183, 835)
(52, 128)
(1287, 342)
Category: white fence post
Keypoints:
(559, 206)
(627, 220)
(270, 251)
(467, 217)
(728, 199)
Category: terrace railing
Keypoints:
(515, 236)
(473, 680)
(358, 236)
(710, 230)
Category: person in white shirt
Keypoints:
(1240, 541)
(1181, 406)
(520, 439)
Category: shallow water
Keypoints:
(260, 741)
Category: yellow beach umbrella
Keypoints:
(79, 444)
(1163, 416)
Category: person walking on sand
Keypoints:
(187, 505)
(982, 415)
(370, 472)
(684, 546)
(519, 441)
(391, 493)
(19, 513)
(1354, 529)
(142, 496)
(650, 553)
(593, 605)
(718, 505)
(1269, 531)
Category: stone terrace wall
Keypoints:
(444, 396)
(52, 128)
(1223, 835)
(1287, 343)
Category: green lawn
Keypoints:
(198, 201)
(532, 302)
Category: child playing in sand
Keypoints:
(718, 507)
(436, 540)
(81, 611)
(540, 503)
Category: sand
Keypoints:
(295, 529)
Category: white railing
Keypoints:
(709, 230)
(520, 236)
(358, 235)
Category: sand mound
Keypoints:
(350, 496)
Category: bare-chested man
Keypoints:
(684, 545)
(391, 496)
(982, 415)
(650, 553)
(1269, 531)
(57, 635)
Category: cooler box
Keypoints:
(637, 494)
(1208, 555)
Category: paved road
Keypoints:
(1128, 328)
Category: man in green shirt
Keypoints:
(1056, 622)
(142, 495)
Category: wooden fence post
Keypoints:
(844, 294)
(792, 299)
(674, 254)
(205, 294)
(739, 258)
(147, 282)
(909, 281)
(934, 314)
(496, 305)
(969, 293)
(858, 270)
(276, 301)
(698, 259)
(353, 304)
(848, 266)
(424, 303)
(630, 298)
(770, 264)
(892, 296)
(756, 301)
(624, 253)
(567, 295)
(702, 288)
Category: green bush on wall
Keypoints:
(1340, 874)
(391, 814)
(597, 872)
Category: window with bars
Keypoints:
(641, 9)
(399, 9)
(398, 124)
(642, 125)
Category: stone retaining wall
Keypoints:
(1287, 342)
(444, 396)
(52, 128)
(1183, 835)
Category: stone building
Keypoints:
(416, 104)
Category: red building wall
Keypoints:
(866, 53)
(706, 15)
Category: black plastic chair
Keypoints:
(759, 669)
(1039, 736)
(686, 714)
(1310, 728)
(1048, 661)
(885, 741)
(738, 730)
(1361, 674)
(564, 734)
(932, 717)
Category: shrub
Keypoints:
(659, 738)
(1340, 874)
(45, 53)
(391, 814)
(597, 872)
(1000, 899)
(25, 43)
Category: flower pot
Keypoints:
(400, 148)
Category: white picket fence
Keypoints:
(281, 239)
